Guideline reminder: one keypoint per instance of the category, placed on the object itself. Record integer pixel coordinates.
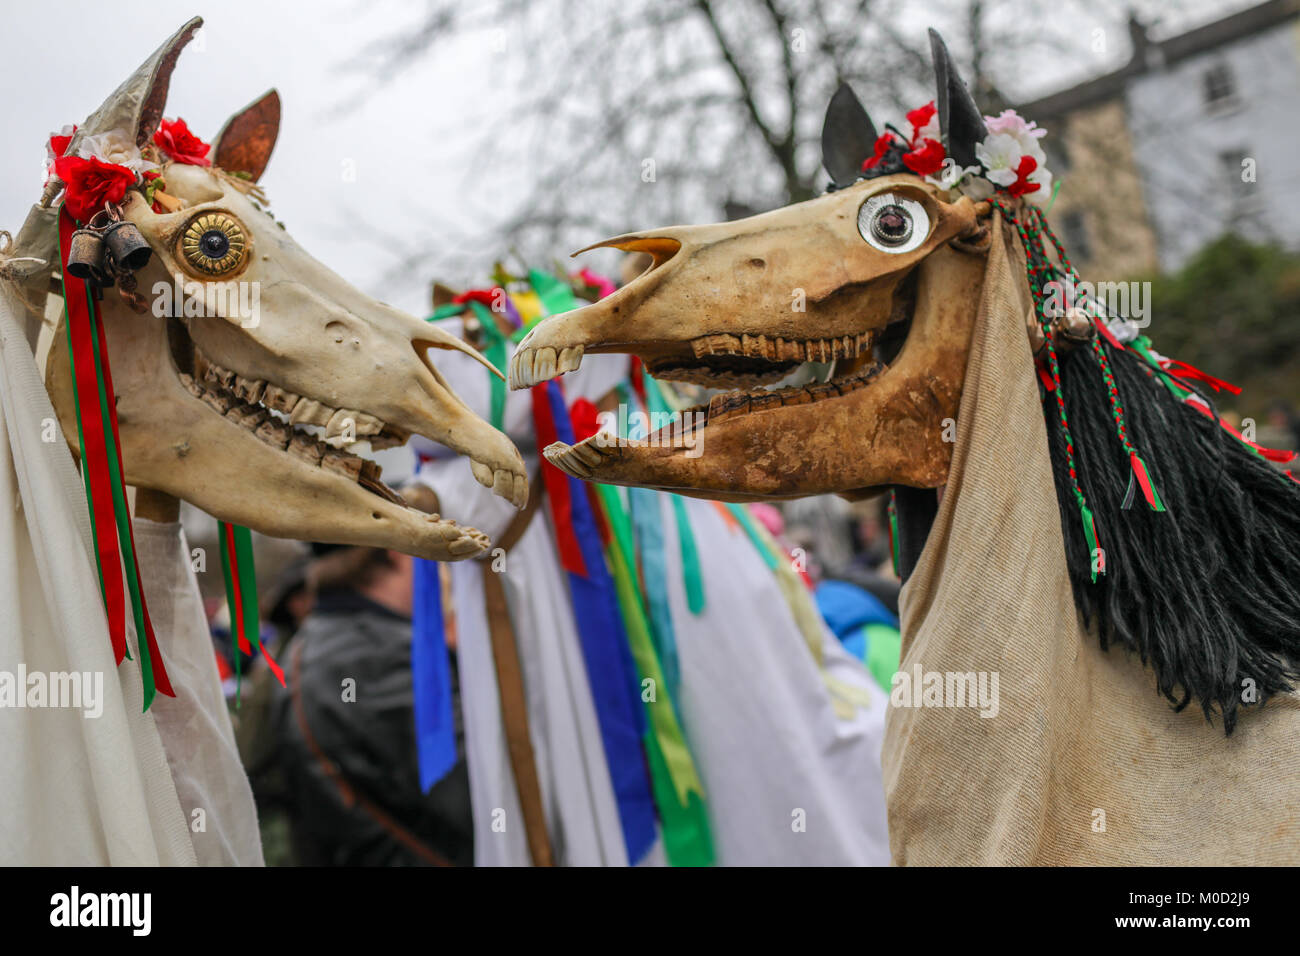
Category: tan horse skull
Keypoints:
(226, 407)
(744, 304)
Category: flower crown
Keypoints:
(107, 164)
(1010, 159)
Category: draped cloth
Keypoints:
(195, 726)
(1084, 762)
(787, 781)
(76, 790)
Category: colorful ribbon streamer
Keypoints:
(240, 576)
(102, 473)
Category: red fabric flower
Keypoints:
(181, 146)
(925, 159)
(919, 117)
(1022, 184)
(883, 142)
(59, 144)
(91, 183)
(924, 156)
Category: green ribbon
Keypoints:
(121, 513)
(495, 351)
(678, 792)
(555, 293)
(81, 443)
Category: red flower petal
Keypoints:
(919, 117)
(59, 144)
(181, 146)
(90, 183)
(883, 142)
(1022, 184)
(927, 159)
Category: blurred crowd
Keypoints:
(332, 754)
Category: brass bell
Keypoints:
(86, 255)
(127, 246)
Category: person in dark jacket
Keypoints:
(347, 730)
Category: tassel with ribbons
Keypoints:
(240, 576)
(101, 466)
(1139, 476)
(1039, 270)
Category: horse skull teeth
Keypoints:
(342, 424)
(250, 390)
(341, 463)
(274, 433)
(252, 404)
(280, 399)
(308, 411)
(482, 473)
(306, 448)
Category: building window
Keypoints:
(1220, 86)
(1076, 235)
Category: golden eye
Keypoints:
(214, 244)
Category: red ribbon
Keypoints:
(1045, 377)
(557, 484)
(94, 453)
(95, 463)
(1279, 455)
(1182, 370)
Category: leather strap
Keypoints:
(347, 793)
(510, 689)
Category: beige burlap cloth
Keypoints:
(1083, 763)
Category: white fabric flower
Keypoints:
(957, 177)
(1041, 196)
(976, 187)
(114, 146)
(1000, 153)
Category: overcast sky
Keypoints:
(398, 163)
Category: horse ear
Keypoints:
(959, 117)
(442, 294)
(137, 105)
(244, 144)
(848, 137)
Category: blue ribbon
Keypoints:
(435, 728)
(647, 525)
(611, 672)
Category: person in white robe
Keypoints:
(791, 776)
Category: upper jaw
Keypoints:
(299, 447)
(289, 401)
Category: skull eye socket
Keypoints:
(893, 223)
(214, 244)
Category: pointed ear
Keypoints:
(137, 105)
(959, 117)
(442, 294)
(848, 137)
(244, 144)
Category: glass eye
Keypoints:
(893, 223)
(214, 244)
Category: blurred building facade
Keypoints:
(1196, 135)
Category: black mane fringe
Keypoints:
(1208, 592)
